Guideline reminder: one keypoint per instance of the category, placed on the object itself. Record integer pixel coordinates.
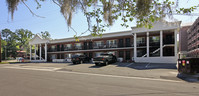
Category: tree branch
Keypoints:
(31, 10)
(56, 3)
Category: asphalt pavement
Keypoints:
(51, 81)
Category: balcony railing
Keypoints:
(94, 46)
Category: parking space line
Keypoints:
(147, 65)
(129, 64)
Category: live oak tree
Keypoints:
(103, 13)
(23, 37)
(11, 42)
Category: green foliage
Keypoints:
(46, 35)
(144, 12)
(9, 49)
(11, 42)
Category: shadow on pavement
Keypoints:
(147, 66)
(188, 77)
(94, 66)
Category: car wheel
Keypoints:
(74, 62)
(96, 64)
(81, 62)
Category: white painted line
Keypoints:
(129, 64)
(147, 65)
(116, 76)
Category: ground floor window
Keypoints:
(53, 56)
(168, 51)
(68, 55)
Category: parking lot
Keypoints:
(145, 70)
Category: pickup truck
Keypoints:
(80, 59)
(104, 59)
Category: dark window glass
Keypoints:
(121, 54)
(128, 55)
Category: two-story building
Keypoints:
(155, 45)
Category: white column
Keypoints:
(35, 52)
(45, 51)
(135, 46)
(161, 43)
(40, 51)
(30, 52)
(176, 45)
(147, 40)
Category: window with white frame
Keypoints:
(53, 56)
(155, 39)
(98, 43)
(140, 40)
(68, 46)
(68, 55)
(78, 44)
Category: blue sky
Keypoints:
(55, 23)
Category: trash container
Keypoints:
(188, 65)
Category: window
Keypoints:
(68, 46)
(111, 42)
(155, 39)
(78, 46)
(98, 43)
(140, 40)
(53, 48)
(53, 56)
(68, 55)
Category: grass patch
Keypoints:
(4, 62)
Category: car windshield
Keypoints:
(104, 55)
(74, 56)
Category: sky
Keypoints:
(55, 23)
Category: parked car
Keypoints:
(105, 59)
(80, 59)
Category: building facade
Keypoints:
(183, 41)
(193, 39)
(155, 45)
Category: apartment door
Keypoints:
(58, 56)
(128, 55)
(85, 45)
(58, 47)
(90, 44)
(62, 47)
(121, 43)
(90, 55)
(128, 42)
